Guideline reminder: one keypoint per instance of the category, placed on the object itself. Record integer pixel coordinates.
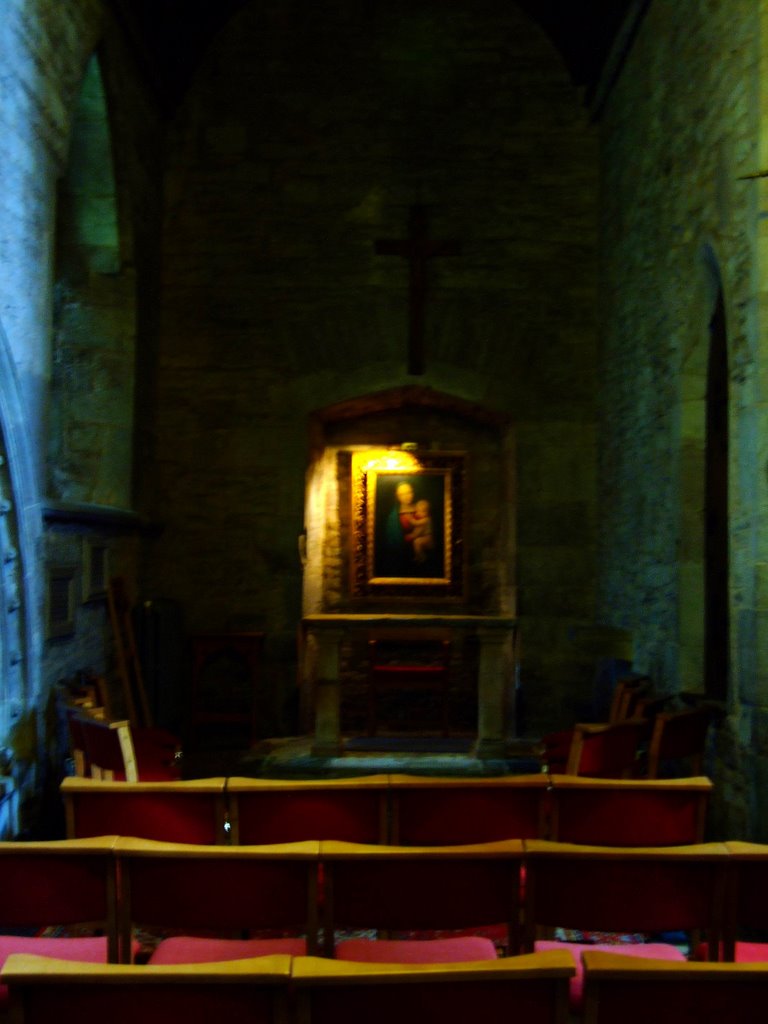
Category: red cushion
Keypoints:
(648, 950)
(193, 949)
(417, 951)
(90, 949)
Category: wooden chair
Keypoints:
(211, 893)
(248, 991)
(287, 811)
(634, 991)
(61, 884)
(531, 988)
(625, 698)
(628, 812)
(420, 889)
(433, 811)
(678, 736)
(406, 662)
(191, 811)
(631, 890)
(605, 751)
(116, 751)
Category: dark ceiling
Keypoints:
(170, 36)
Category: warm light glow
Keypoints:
(390, 460)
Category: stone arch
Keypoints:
(703, 557)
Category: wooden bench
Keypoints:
(248, 991)
(192, 811)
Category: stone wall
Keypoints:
(302, 141)
(679, 133)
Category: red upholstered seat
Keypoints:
(89, 949)
(462, 949)
(190, 949)
(647, 950)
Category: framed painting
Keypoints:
(408, 526)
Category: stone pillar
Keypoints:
(327, 742)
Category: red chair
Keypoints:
(64, 884)
(606, 751)
(678, 736)
(421, 890)
(117, 752)
(631, 890)
(633, 991)
(531, 988)
(431, 811)
(192, 811)
(247, 991)
(289, 811)
(195, 898)
(628, 812)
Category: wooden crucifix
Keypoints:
(417, 249)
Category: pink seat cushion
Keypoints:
(417, 951)
(90, 949)
(192, 949)
(648, 950)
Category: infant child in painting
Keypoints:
(421, 530)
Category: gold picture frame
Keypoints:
(408, 525)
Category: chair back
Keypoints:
(605, 751)
(747, 897)
(628, 812)
(432, 811)
(191, 811)
(625, 889)
(530, 988)
(219, 889)
(421, 888)
(635, 991)
(289, 811)
(678, 736)
(248, 991)
(61, 882)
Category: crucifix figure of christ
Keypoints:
(418, 248)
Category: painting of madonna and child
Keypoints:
(411, 523)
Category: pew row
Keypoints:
(633, 991)
(281, 989)
(393, 809)
(251, 991)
